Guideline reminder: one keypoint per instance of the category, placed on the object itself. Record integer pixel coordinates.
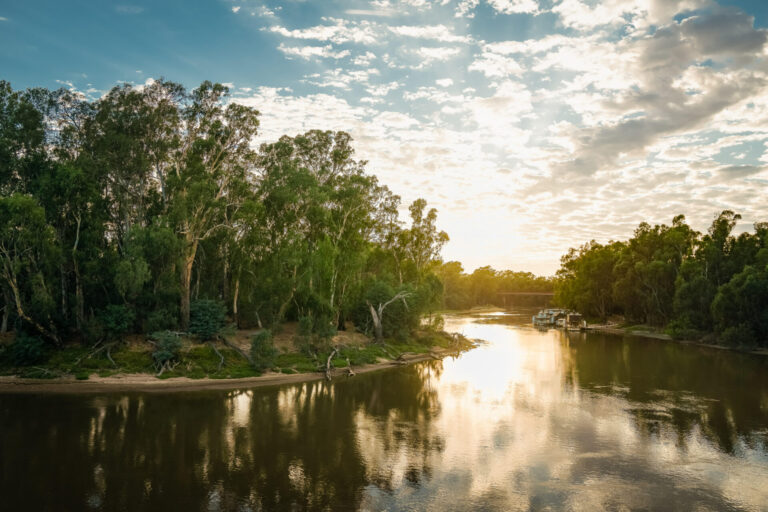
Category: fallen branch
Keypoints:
(238, 350)
(109, 354)
(218, 354)
(328, 364)
(350, 371)
(168, 366)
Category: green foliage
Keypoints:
(207, 318)
(117, 320)
(167, 349)
(161, 319)
(113, 211)
(263, 351)
(26, 350)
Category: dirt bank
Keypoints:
(149, 383)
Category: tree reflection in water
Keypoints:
(529, 420)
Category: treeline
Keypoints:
(140, 210)
(691, 283)
(486, 286)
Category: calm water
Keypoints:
(528, 421)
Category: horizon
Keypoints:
(531, 126)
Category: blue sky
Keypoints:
(532, 125)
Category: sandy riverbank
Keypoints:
(149, 383)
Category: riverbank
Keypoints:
(149, 383)
(656, 335)
(222, 365)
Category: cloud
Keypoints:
(465, 8)
(371, 12)
(431, 54)
(3, 18)
(673, 90)
(338, 32)
(495, 65)
(129, 9)
(310, 52)
(444, 82)
(236, 8)
(439, 33)
(515, 6)
(341, 78)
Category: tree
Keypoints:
(208, 177)
(27, 253)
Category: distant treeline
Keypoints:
(149, 209)
(486, 286)
(691, 283)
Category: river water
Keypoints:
(529, 420)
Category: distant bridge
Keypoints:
(542, 294)
(506, 295)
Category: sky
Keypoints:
(532, 126)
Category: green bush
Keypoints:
(263, 351)
(117, 320)
(207, 318)
(167, 348)
(161, 320)
(738, 336)
(26, 350)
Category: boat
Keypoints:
(560, 318)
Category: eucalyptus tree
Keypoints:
(28, 252)
(208, 178)
(321, 209)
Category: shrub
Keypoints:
(167, 348)
(263, 351)
(117, 320)
(207, 318)
(161, 319)
(738, 336)
(26, 350)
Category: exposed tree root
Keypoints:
(168, 365)
(221, 363)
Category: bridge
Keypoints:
(506, 295)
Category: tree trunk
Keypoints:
(186, 283)
(377, 329)
(6, 311)
(48, 333)
(80, 302)
(63, 276)
(235, 315)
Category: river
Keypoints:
(529, 420)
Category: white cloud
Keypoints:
(340, 78)
(434, 32)
(340, 31)
(465, 8)
(430, 54)
(494, 65)
(444, 82)
(514, 6)
(309, 52)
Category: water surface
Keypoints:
(530, 420)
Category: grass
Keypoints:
(198, 361)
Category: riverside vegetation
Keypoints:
(709, 286)
(142, 232)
